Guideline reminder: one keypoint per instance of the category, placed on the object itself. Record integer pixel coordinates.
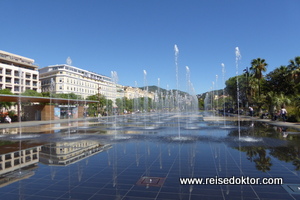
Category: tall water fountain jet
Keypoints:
(145, 96)
(188, 88)
(52, 87)
(114, 77)
(159, 98)
(136, 98)
(177, 87)
(19, 100)
(217, 92)
(190, 101)
(237, 58)
(188, 79)
(212, 100)
(69, 62)
(223, 74)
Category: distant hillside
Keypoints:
(154, 88)
(219, 92)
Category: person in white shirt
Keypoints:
(8, 119)
(283, 113)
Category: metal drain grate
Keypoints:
(292, 188)
(151, 181)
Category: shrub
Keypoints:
(293, 114)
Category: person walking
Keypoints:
(283, 113)
(8, 119)
(250, 111)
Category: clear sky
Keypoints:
(130, 36)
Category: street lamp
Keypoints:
(247, 83)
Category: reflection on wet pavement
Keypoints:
(134, 157)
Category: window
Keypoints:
(8, 72)
(8, 80)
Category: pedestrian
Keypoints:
(250, 111)
(283, 113)
(8, 119)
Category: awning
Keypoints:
(17, 98)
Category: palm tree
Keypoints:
(296, 75)
(258, 66)
(294, 64)
(253, 88)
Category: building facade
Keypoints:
(64, 79)
(18, 73)
(133, 93)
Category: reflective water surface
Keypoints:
(135, 157)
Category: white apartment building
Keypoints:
(18, 73)
(63, 79)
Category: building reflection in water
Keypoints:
(17, 161)
(67, 152)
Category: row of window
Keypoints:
(75, 72)
(17, 81)
(10, 72)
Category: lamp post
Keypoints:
(247, 84)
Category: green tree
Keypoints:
(66, 96)
(258, 66)
(231, 88)
(31, 93)
(279, 81)
(103, 106)
(275, 101)
(5, 105)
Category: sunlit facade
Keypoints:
(18, 73)
(64, 79)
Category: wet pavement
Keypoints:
(148, 157)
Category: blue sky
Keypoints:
(129, 36)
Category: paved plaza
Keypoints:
(128, 157)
